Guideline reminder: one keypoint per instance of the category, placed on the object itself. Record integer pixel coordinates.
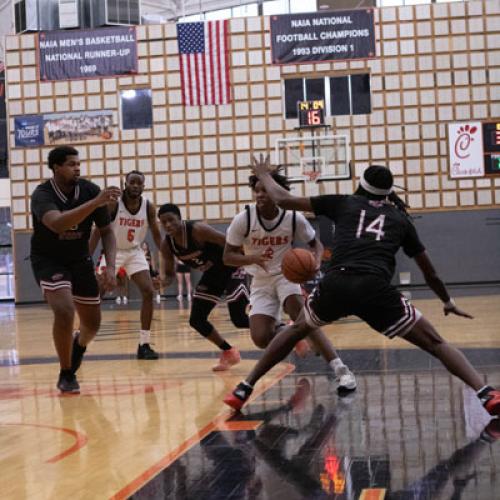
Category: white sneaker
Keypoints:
(118, 300)
(125, 301)
(158, 299)
(190, 297)
(179, 297)
(346, 379)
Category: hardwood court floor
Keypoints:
(158, 429)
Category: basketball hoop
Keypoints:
(312, 175)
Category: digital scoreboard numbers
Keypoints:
(311, 113)
(491, 147)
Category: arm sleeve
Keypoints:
(411, 244)
(41, 203)
(304, 230)
(326, 204)
(235, 234)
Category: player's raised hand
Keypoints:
(261, 165)
(451, 308)
(108, 195)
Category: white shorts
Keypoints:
(268, 294)
(132, 260)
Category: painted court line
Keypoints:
(171, 457)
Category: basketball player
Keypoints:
(266, 232)
(132, 216)
(370, 227)
(200, 246)
(63, 210)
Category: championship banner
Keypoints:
(28, 131)
(64, 128)
(72, 55)
(465, 146)
(323, 36)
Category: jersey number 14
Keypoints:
(376, 226)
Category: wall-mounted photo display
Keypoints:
(136, 109)
(64, 128)
(491, 145)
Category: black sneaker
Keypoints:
(145, 351)
(67, 382)
(239, 396)
(491, 432)
(77, 353)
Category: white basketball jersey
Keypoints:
(130, 230)
(272, 237)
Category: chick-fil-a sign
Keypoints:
(465, 145)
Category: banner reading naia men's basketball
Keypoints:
(323, 36)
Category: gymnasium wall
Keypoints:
(437, 63)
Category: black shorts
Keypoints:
(182, 268)
(368, 296)
(222, 282)
(78, 276)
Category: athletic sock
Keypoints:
(225, 346)
(145, 337)
(335, 364)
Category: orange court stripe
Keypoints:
(240, 425)
(373, 494)
(171, 457)
(80, 439)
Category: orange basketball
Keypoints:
(298, 265)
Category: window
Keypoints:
(343, 95)
(218, 14)
(136, 108)
(275, 7)
(297, 6)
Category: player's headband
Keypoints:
(372, 189)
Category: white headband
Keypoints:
(372, 189)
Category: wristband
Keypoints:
(449, 304)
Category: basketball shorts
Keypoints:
(220, 282)
(268, 294)
(78, 276)
(342, 293)
(182, 268)
(132, 260)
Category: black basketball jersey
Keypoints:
(191, 253)
(72, 244)
(368, 233)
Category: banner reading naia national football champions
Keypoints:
(323, 36)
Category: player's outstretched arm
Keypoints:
(234, 256)
(58, 222)
(153, 225)
(317, 247)
(167, 265)
(262, 169)
(109, 246)
(437, 286)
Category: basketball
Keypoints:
(298, 265)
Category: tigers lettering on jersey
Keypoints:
(130, 229)
(273, 241)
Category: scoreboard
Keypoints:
(491, 147)
(311, 113)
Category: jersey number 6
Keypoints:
(376, 226)
(130, 235)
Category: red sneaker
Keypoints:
(491, 432)
(491, 402)
(238, 397)
(227, 359)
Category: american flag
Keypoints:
(204, 62)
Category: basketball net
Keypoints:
(312, 175)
